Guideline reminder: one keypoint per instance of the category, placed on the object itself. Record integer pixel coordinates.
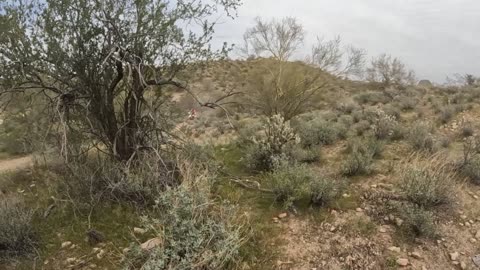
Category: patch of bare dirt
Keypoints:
(15, 164)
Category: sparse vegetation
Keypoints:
(130, 140)
(17, 235)
(428, 183)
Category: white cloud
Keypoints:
(435, 38)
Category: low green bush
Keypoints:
(17, 234)
(361, 156)
(289, 182)
(417, 222)
(324, 190)
(196, 231)
(421, 137)
(427, 183)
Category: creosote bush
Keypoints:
(196, 231)
(318, 132)
(324, 190)
(17, 235)
(421, 138)
(427, 183)
(361, 156)
(417, 222)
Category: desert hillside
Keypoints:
(127, 141)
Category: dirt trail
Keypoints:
(15, 164)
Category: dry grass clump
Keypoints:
(17, 236)
(429, 182)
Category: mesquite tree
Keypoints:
(104, 63)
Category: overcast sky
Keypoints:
(436, 38)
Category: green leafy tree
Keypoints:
(104, 63)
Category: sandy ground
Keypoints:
(15, 164)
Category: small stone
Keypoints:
(345, 195)
(398, 222)
(402, 262)
(473, 240)
(275, 220)
(70, 260)
(101, 254)
(454, 256)
(374, 186)
(151, 243)
(139, 230)
(332, 229)
(96, 249)
(382, 229)
(477, 235)
(463, 265)
(359, 209)
(282, 215)
(476, 260)
(66, 244)
(416, 255)
(475, 197)
(463, 217)
(394, 249)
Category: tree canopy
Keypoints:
(98, 60)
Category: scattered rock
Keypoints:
(101, 254)
(416, 255)
(151, 243)
(282, 215)
(398, 222)
(332, 229)
(394, 249)
(359, 209)
(402, 262)
(476, 260)
(139, 230)
(463, 217)
(463, 265)
(66, 244)
(454, 256)
(382, 229)
(70, 260)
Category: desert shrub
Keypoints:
(371, 97)
(324, 189)
(17, 236)
(272, 145)
(417, 222)
(361, 155)
(471, 169)
(384, 125)
(427, 183)
(446, 114)
(421, 138)
(318, 132)
(445, 141)
(347, 107)
(196, 231)
(406, 103)
(362, 127)
(289, 183)
(304, 155)
(389, 109)
(467, 129)
(101, 179)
